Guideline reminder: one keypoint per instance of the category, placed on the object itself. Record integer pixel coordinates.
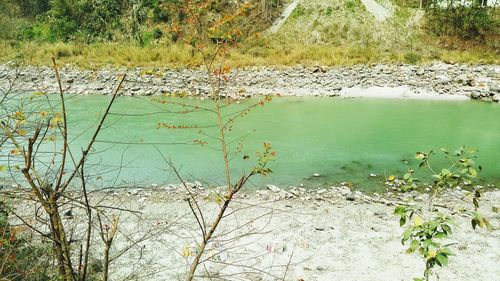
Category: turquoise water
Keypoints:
(340, 139)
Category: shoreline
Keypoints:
(329, 236)
(436, 81)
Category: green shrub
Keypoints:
(412, 58)
(466, 22)
(157, 33)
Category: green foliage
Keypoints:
(109, 20)
(422, 237)
(33, 8)
(460, 169)
(412, 58)
(465, 21)
(263, 159)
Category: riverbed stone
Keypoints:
(297, 81)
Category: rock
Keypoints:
(422, 198)
(284, 195)
(444, 79)
(320, 268)
(350, 198)
(262, 193)
(495, 88)
(461, 79)
(273, 188)
(135, 191)
(343, 190)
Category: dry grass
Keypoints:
(318, 33)
(262, 53)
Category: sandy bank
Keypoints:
(326, 234)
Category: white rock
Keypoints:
(273, 188)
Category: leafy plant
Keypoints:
(471, 21)
(422, 237)
(422, 234)
(460, 170)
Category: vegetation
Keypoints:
(148, 32)
(193, 33)
(20, 254)
(50, 181)
(423, 234)
(469, 22)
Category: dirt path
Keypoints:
(378, 11)
(282, 19)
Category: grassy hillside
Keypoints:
(317, 32)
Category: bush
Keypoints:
(466, 22)
(412, 58)
(157, 33)
(20, 259)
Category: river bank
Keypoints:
(285, 234)
(437, 80)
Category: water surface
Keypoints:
(340, 139)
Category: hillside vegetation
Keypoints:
(151, 33)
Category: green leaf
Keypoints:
(445, 251)
(446, 228)
(442, 259)
(3, 168)
(427, 243)
(400, 210)
(445, 172)
(407, 234)
(440, 235)
(402, 221)
(413, 246)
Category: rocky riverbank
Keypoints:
(283, 234)
(436, 80)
